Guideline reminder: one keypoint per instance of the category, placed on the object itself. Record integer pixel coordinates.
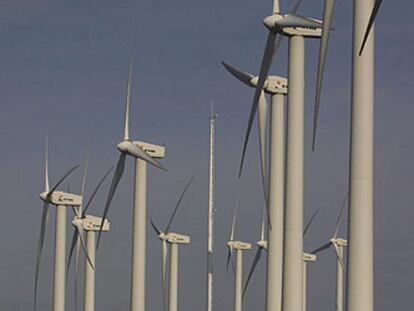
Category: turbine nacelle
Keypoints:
(91, 223)
(273, 84)
(61, 198)
(175, 238)
(309, 257)
(238, 245)
(155, 151)
(290, 24)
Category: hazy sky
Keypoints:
(63, 69)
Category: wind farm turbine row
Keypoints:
(282, 173)
(285, 212)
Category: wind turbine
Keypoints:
(293, 219)
(62, 200)
(338, 245)
(90, 224)
(174, 239)
(274, 190)
(239, 247)
(143, 153)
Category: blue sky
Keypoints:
(63, 70)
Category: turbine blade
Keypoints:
(252, 269)
(45, 217)
(85, 250)
(114, 184)
(264, 70)
(262, 232)
(262, 117)
(156, 229)
(167, 229)
(138, 152)
(128, 99)
(339, 220)
(229, 255)
(340, 259)
(242, 76)
(323, 48)
(72, 248)
(278, 44)
(371, 21)
(62, 179)
(293, 20)
(233, 224)
(95, 191)
(322, 248)
(83, 183)
(233, 265)
(47, 165)
(310, 222)
(164, 273)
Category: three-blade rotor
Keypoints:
(46, 197)
(250, 80)
(323, 49)
(126, 147)
(275, 23)
(333, 241)
(163, 236)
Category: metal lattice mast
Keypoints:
(210, 222)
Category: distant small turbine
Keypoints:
(90, 224)
(338, 244)
(239, 247)
(173, 239)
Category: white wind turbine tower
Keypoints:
(296, 28)
(338, 244)
(306, 259)
(239, 247)
(90, 224)
(274, 190)
(62, 200)
(174, 239)
(210, 221)
(360, 284)
(143, 153)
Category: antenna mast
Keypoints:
(210, 222)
